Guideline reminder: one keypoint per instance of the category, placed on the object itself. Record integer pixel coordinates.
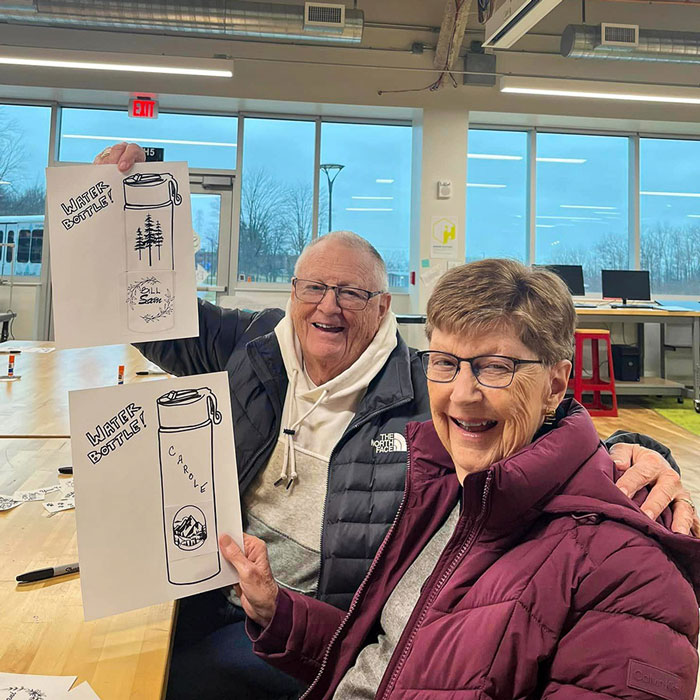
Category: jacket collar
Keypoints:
(390, 387)
(522, 483)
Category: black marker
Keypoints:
(65, 470)
(144, 372)
(52, 572)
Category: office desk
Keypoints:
(124, 657)
(37, 404)
(652, 385)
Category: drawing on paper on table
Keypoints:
(22, 693)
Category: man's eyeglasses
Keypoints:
(492, 371)
(350, 298)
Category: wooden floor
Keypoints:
(684, 445)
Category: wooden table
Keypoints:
(41, 627)
(37, 403)
(651, 385)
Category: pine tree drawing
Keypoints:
(139, 241)
(149, 237)
(158, 237)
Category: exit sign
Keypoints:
(143, 107)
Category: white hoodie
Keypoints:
(289, 516)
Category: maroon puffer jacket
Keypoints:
(554, 584)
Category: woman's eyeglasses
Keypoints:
(492, 371)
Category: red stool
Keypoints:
(594, 384)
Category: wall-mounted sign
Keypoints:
(154, 155)
(143, 107)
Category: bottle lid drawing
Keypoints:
(178, 410)
(150, 191)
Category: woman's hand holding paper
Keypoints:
(257, 588)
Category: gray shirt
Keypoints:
(362, 680)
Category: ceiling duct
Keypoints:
(579, 41)
(200, 18)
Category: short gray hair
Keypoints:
(484, 295)
(352, 240)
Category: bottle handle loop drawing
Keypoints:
(175, 196)
(214, 414)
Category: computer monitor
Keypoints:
(572, 276)
(626, 284)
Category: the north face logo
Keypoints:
(389, 442)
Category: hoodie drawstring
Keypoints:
(290, 431)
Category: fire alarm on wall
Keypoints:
(444, 189)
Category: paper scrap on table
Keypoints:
(35, 494)
(21, 686)
(8, 502)
(23, 351)
(430, 275)
(83, 692)
(133, 236)
(57, 506)
(164, 453)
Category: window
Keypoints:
(365, 187)
(670, 215)
(496, 195)
(203, 141)
(582, 203)
(24, 150)
(276, 197)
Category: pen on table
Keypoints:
(120, 376)
(65, 470)
(11, 352)
(144, 372)
(50, 572)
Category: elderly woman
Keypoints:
(530, 574)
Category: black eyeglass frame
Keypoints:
(515, 360)
(336, 289)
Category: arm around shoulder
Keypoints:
(296, 638)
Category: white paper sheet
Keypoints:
(122, 262)
(8, 502)
(156, 483)
(20, 686)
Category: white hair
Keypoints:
(352, 240)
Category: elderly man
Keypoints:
(320, 396)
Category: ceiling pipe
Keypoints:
(218, 19)
(584, 41)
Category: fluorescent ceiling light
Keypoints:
(5, 182)
(367, 209)
(584, 206)
(139, 139)
(121, 62)
(672, 194)
(385, 181)
(486, 185)
(694, 216)
(560, 160)
(362, 197)
(599, 90)
(544, 225)
(492, 156)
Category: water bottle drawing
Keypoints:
(186, 421)
(149, 203)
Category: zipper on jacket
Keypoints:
(358, 592)
(364, 419)
(471, 538)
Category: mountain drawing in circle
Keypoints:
(189, 528)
